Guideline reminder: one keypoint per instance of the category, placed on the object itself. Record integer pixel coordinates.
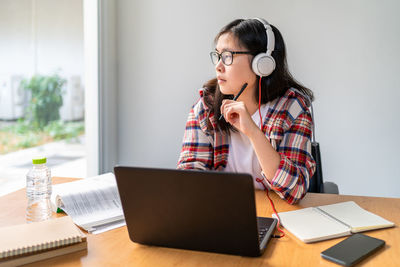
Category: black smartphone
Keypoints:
(353, 249)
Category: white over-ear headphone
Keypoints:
(263, 64)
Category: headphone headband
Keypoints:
(270, 35)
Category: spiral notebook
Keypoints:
(330, 221)
(25, 243)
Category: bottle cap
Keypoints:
(39, 160)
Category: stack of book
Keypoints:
(26, 243)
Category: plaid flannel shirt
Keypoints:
(288, 127)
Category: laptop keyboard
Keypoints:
(262, 231)
(264, 227)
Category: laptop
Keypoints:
(197, 210)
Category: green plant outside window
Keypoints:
(46, 99)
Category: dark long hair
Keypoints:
(252, 36)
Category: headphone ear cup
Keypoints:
(263, 64)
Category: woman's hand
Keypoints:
(236, 113)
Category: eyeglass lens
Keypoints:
(226, 57)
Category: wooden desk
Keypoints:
(114, 248)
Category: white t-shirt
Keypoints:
(242, 157)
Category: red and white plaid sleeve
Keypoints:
(197, 149)
(296, 167)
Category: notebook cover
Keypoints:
(38, 256)
(35, 237)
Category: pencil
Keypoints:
(236, 97)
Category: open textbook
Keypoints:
(93, 203)
(330, 221)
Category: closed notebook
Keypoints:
(48, 238)
(330, 221)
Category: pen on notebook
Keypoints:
(236, 97)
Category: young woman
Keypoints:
(267, 130)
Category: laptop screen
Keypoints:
(199, 210)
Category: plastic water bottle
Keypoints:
(38, 192)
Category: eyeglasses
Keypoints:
(227, 57)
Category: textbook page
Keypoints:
(356, 217)
(93, 203)
(310, 225)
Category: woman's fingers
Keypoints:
(225, 102)
(232, 114)
(232, 110)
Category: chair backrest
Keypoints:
(316, 181)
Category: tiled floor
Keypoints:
(63, 158)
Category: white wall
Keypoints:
(346, 51)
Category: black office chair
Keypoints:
(317, 184)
